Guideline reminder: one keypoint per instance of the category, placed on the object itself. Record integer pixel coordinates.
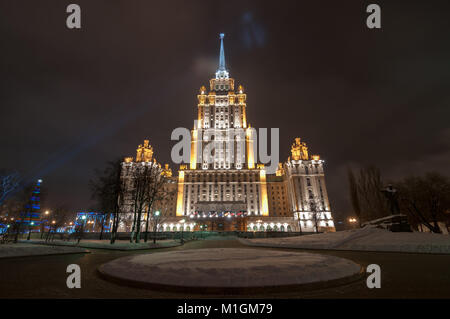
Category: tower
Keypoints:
(221, 124)
(223, 187)
(307, 193)
(223, 178)
(32, 215)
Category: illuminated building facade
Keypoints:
(223, 184)
(307, 199)
(166, 206)
(31, 217)
(225, 188)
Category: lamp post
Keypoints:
(352, 221)
(43, 223)
(83, 221)
(155, 224)
(182, 228)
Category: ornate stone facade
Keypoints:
(227, 189)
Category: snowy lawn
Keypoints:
(21, 250)
(105, 244)
(368, 238)
(229, 268)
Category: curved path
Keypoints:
(403, 276)
(225, 270)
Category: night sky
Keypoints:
(72, 100)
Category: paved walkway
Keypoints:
(31, 250)
(402, 276)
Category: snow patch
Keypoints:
(230, 267)
(368, 238)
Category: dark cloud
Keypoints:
(74, 99)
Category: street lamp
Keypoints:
(44, 223)
(352, 221)
(81, 229)
(155, 225)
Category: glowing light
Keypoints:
(264, 202)
(250, 150)
(193, 162)
(180, 193)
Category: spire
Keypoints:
(222, 54)
(222, 71)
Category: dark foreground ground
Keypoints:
(402, 276)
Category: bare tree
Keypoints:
(425, 199)
(105, 217)
(158, 194)
(365, 193)
(17, 206)
(59, 219)
(11, 209)
(79, 231)
(9, 182)
(160, 212)
(108, 190)
(315, 206)
(353, 186)
(149, 188)
(141, 176)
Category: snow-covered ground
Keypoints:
(230, 268)
(21, 250)
(105, 244)
(368, 238)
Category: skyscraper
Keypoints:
(223, 187)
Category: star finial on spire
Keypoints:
(222, 71)
(222, 54)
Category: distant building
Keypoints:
(90, 221)
(31, 217)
